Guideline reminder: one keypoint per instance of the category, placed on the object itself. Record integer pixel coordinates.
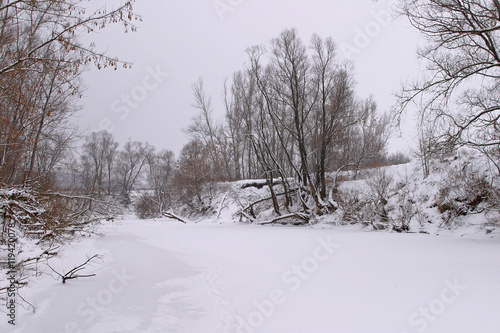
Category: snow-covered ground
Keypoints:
(165, 276)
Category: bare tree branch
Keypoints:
(72, 274)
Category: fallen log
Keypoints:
(301, 216)
(250, 206)
(259, 183)
(172, 216)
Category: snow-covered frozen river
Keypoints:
(165, 276)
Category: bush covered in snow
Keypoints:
(44, 217)
(461, 191)
(35, 225)
(466, 189)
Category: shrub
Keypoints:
(380, 183)
(355, 207)
(464, 191)
(147, 207)
(406, 207)
(397, 158)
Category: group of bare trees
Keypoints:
(40, 70)
(107, 172)
(42, 58)
(292, 116)
(459, 96)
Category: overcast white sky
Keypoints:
(192, 38)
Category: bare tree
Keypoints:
(240, 103)
(35, 111)
(324, 70)
(160, 173)
(129, 165)
(272, 142)
(193, 176)
(211, 133)
(290, 69)
(428, 145)
(335, 108)
(99, 152)
(374, 133)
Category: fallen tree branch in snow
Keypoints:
(245, 215)
(25, 301)
(72, 273)
(301, 216)
(221, 207)
(48, 253)
(172, 216)
(250, 206)
(259, 183)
